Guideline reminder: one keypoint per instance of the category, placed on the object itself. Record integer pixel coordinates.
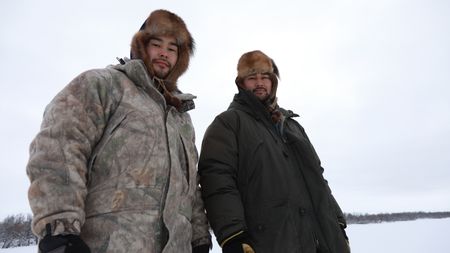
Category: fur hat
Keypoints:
(255, 62)
(164, 23)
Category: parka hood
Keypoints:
(246, 101)
(135, 70)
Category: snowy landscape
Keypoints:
(419, 236)
(368, 78)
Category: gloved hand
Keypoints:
(201, 249)
(237, 243)
(63, 244)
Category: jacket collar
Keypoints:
(246, 101)
(137, 72)
(249, 103)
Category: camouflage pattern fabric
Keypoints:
(113, 163)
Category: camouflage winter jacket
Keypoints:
(115, 164)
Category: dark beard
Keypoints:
(263, 100)
(159, 74)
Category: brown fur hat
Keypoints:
(255, 62)
(164, 23)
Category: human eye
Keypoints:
(155, 43)
(173, 49)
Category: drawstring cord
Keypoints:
(170, 99)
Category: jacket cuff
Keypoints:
(202, 241)
(62, 227)
(342, 224)
(231, 237)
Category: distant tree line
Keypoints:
(15, 230)
(391, 217)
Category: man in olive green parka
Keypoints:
(261, 179)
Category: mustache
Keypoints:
(162, 60)
(259, 88)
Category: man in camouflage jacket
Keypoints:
(113, 168)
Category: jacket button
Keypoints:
(302, 211)
(260, 227)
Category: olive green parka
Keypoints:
(266, 179)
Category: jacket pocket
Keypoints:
(107, 135)
(269, 228)
(118, 200)
(251, 163)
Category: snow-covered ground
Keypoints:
(419, 236)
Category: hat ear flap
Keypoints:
(275, 69)
(132, 56)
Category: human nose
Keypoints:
(259, 82)
(163, 53)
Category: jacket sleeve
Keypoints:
(200, 225)
(57, 168)
(218, 167)
(201, 235)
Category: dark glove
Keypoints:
(238, 243)
(201, 249)
(63, 244)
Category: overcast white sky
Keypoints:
(370, 80)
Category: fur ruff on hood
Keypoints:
(164, 23)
